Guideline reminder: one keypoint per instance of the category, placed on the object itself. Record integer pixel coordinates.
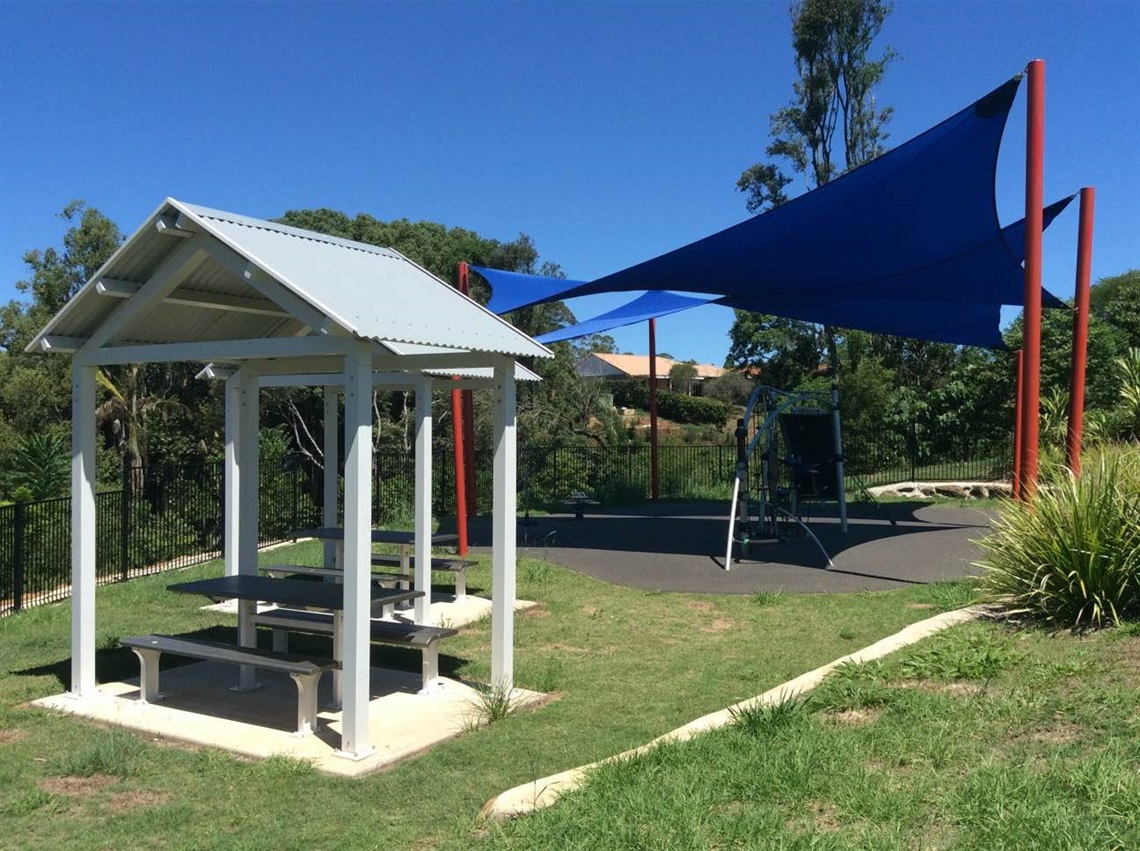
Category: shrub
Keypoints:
(671, 406)
(691, 409)
(1072, 557)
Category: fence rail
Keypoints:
(179, 522)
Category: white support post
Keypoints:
(330, 514)
(232, 475)
(82, 531)
(248, 459)
(355, 742)
(248, 451)
(503, 531)
(423, 499)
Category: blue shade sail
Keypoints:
(908, 244)
(512, 290)
(645, 306)
(961, 324)
(919, 222)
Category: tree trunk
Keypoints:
(832, 352)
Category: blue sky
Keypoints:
(608, 132)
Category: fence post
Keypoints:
(296, 524)
(19, 521)
(913, 449)
(125, 526)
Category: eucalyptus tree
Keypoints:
(832, 124)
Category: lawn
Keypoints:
(976, 738)
(624, 665)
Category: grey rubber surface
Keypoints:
(681, 547)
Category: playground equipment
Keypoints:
(797, 432)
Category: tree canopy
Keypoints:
(832, 114)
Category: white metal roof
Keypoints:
(369, 292)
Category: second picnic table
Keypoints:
(404, 539)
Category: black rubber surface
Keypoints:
(681, 547)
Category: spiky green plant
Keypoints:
(765, 720)
(1071, 558)
(490, 703)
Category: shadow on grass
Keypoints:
(115, 664)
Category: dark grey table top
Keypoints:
(289, 592)
(379, 536)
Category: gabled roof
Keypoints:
(228, 277)
(637, 366)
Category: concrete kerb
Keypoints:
(541, 793)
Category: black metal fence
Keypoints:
(179, 521)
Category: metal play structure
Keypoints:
(799, 439)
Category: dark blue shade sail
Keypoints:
(645, 306)
(918, 224)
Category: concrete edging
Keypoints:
(543, 792)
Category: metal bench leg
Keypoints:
(148, 674)
(280, 640)
(247, 637)
(460, 584)
(430, 676)
(306, 702)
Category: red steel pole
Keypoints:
(1034, 198)
(1017, 425)
(460, 486)
(655, 484)
(460, 459)
(1080, 329)
(468, 423)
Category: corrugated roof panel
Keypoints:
(80, 323)
(175, 323)
(375, 293)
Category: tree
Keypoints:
(787, 351)
(681, 377)
(35, 390)
(57, 275)
(1116, 300)
(832, 109)
(731, 387)
(40, 467)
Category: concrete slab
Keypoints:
(200, 708)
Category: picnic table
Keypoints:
(248, 590)
(401, 538)
(404, 539)
(578, 501)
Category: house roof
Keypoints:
(223, 276)
(637, 366)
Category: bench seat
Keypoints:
(578, 502)
(305, 670)
(450, 564)
(419, 636)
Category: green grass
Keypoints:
(627, 666)
(977, 738)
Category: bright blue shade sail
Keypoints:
(645, 306)
(512, 290)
